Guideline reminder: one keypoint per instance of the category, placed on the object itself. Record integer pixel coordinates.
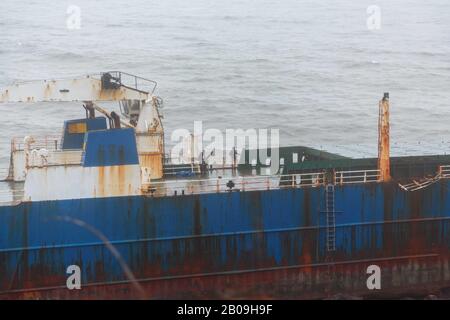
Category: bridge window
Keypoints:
(78, 127)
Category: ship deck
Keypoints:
(299, 167)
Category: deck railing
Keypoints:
(187, 168)
(248, 183)
(233, 184)
(134, 82)
(45, 151)
(41, 142)
(445, 171)
(38, 158)
(359, 176)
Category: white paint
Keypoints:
(18, 165)
(75, 182)
(148, 143)
(149, 119)
(150, 138)
(146, 174)
(43, 157)
(77, 89)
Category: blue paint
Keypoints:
(113, 147)
(212, 233)
(76, 140)
(185, 174)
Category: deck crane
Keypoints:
(138, 106)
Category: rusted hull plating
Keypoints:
(261, 244)
(403, 277)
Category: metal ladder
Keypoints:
(331, 218)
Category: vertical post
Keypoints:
(26, 150)
(383, 139)
(192, 149)
(234, 157)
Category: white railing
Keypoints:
(445, 171)
(417, 184)
(421, 183)
(227, 184)
(360, 176)
(194, 168)
(43, 158)
(42, 142)
(302, 179)
(249, 183)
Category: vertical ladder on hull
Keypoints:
(331, 218)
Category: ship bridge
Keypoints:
(104, 154)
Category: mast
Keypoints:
(383, 139)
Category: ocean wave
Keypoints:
(68, 56)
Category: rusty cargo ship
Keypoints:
(103, 196)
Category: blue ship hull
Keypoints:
(229, 245)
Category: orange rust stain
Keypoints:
(101, 181)
(383, 140)
(121, 177)
(113, 180)
(152, 160)
(110, 94)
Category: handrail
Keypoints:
(357, 176)
(48, 142)
(247, 183)
(444, 171)
(54, 158)
(137, 82)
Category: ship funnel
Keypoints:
(383, 139)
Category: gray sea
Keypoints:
(313, 69)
